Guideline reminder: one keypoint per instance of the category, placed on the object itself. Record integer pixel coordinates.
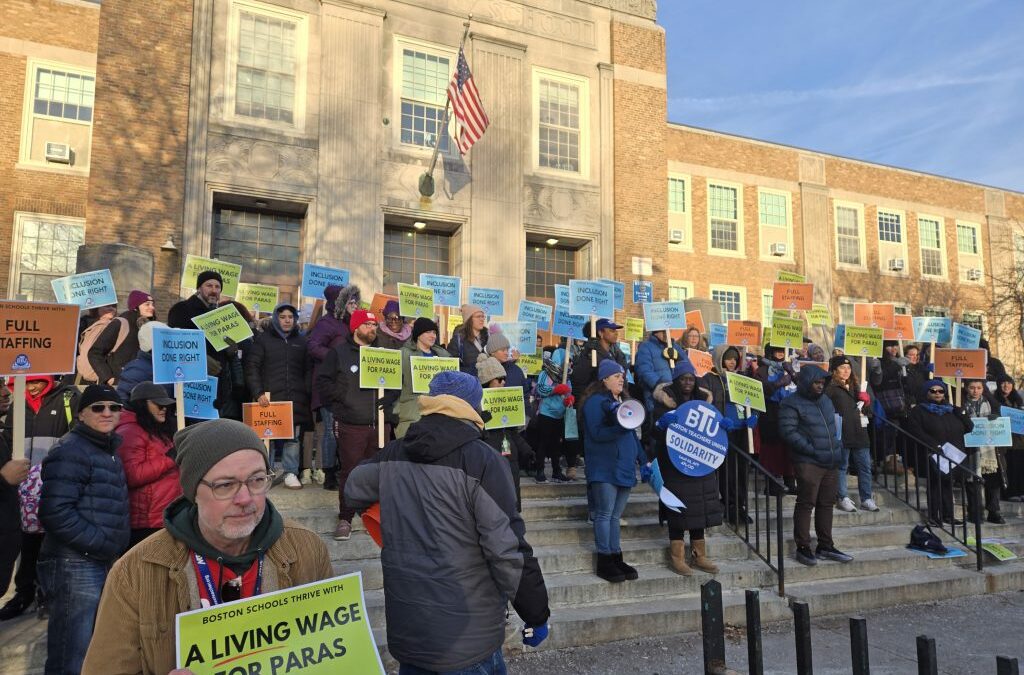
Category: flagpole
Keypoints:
(427, 179)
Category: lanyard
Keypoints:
(207, 577)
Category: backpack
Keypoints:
(923, 539)
(30, 489)
(89, 336)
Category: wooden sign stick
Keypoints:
(380, 419)
(179, 404)
(593, 334)
(750, 432)
(18, 410)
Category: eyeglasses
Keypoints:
(936, 391)
(257, 485)
(99, 408)
(391, 319)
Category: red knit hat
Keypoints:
(136, 298)
(359, 317)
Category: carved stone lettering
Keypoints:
(537, 21)
(645, 8)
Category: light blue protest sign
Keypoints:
(491, 300)
(537, 312)
(718, 334)
(87, 290)
(695, 438)
(840, 341)
(989, 432)
(591, 298)
(315, 278)
(964, 337)
(937, 329)
(643, 291)
(447, 290)
(620, 292)
(666, 315)
(179, 355)
(568, 325)
(522, 335)
(561, 296)
(1016, 418)
(199, 398)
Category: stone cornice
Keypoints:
(647, 9)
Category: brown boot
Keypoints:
(700, 557)
(677, 548)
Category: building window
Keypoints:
(848, 236)
(724, 214)
(967, 239)
(57, 111)
(679, 290)
(45, 249)
(677, 195)
(560, 121)
(547, 266)
(890, 227)
(903, 310)
(974, 320)
(932, 258)
(267, 69)
(730, 300)
(773, 209)
(63, 94)
(267, 245)
(767, 300)
(936, 311)
(846, 312)
(775, 222)
(425, 79)
(409, 253)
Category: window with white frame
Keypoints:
(676, 195)
(679, 227)
(58, 109)
(773, 209)
(849, 240)
(967, 238)
(974, 320)
(731, 301)
(767, 300)
(63, 94)
(890, 226)
(901, 309)
(266, 72)
(679, 290)
(935, 311)
(45, 248)
(932, 257)
(846, 311)
(561, 121)
(425, 77)
(724, 212)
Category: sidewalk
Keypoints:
(969, 633)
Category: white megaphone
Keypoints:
(630, 414)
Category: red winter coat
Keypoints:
(153, 481)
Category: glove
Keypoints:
(730, 424)
(931, 367)
(569, 401)
(561, 389)
(534, 635)
(752, 420)
(993, 417)
(864, 398)
(212, 366)
(902, 361)
(610, 407)
(645, 472)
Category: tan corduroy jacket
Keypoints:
(155, 580)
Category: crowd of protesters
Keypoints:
(106, 471)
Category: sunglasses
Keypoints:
(936, 391)
(99, 408)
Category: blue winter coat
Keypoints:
(611, 451)
(84, 501)
(652, 368)
(140, 369)
(808, 425)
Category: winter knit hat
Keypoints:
(469, 310)
(496, 342)
(202, 445)
(97, 393)
(359, 317)
(488, 368)
(836, 361)
(207, 275)
(683, 367)
(136, 298)
(146, 334)
(423, 325)
(330, 298)
(458, 384)
(390, 307)
(607, 368)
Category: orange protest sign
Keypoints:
(792, 296)
(743, 333)
(270, 421)
(38, 338)
(695, 319)
(903, 328)
(970, 363)
(701, 361)
(874, 315)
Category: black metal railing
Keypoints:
(743, 500)
(897, 451)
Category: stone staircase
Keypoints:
(587, 610)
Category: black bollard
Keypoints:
(712, 626)
(927, 663)
(859, 645)
(755, 656)
(802, 629)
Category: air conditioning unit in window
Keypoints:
(779, 249)
(59, 153)
(974, 274)
(676, 236)
(896, 264)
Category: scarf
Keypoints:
(937, 408)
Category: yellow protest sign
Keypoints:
(380, 368)
(223, 324)
(745, 391)
(787, 333)
(819, 315)
(195, 265)
(424, 368)
(531, 363)
(415, 301)
(454, 321)
(313, 629)
(863, 341)
(506, 405)
(634, 330)
(790, 277)
(257, 297)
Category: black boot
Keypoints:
(330, 479)
(15, 607)
(608, 570)
(628, 571)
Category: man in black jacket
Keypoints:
(354, 409)
(606, 344)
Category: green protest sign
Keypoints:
(634, 330)
(819, 316)
(380, 368)
(787, 333)
(415, 301)
(864, 341)
(507, 407)
(257, 297)
(322, 627)
(221, 325)
(531, 363)
(423, 369)
(195, 265)
(746, 391)
(790, 277)
(781, 314)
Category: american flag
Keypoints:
(466, 105)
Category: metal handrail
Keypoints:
(764, 481)
(962, 478)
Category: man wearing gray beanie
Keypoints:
(223, 540)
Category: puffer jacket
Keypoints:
(104, 360)
(84, 502)
(652, 368)
(467, 351)
(139, 369)
(855, 435)
(611, 451)
(551, 404)
(407, 407)
(44, 428)
(153, 477)
(808, 425)
(338, 382)
(455, 549)
(280, 364)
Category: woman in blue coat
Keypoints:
(612, 453)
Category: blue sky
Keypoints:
(934, 85)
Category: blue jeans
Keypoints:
(609, 503)
(290, 451)
(72, 585)
(492, 665)
(328, 443)
(862, 465)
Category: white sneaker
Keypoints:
(846, 504)
(869, 505)
(291, 482)
(318, 476)
(306, 477)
